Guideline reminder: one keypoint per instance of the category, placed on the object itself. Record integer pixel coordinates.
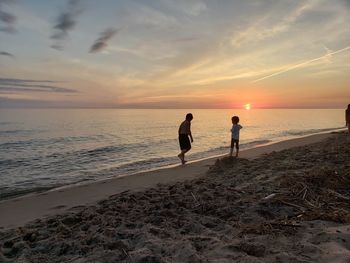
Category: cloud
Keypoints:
(12, 80)
(22, 85)
(305, 63)
(265, 27)
(347, 2)
(101, 42)
(28, 20)
(8, 19)
(39, 88)
(57, 46)
(66, 22)
(186, 39)
(3, 53)
(188, 7)
(141, 15)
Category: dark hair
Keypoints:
(349, 107)
(235, 119)
(189, 116)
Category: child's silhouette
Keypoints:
(235, 134)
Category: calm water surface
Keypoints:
(44, 149)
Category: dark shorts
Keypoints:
(233, 142)
(184, 141)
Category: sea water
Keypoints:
(42, 149)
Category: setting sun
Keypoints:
(247, 106)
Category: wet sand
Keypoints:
(286, 202)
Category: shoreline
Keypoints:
(80, 184)
(21, 210)
(41, 190)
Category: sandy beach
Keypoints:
(120, 121)
(284, 202)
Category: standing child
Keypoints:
(235, 134)
(184, 133)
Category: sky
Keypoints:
(175, 53)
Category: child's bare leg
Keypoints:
(237, 149)
(231, 152)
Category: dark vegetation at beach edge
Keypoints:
(276, 208)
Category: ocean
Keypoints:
(42, 149)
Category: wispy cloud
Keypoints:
(26, 85)
(7, 54)
(142, 15)
(66, 22)
(101, 42)
(189, 7)
(263, 28)
(38, 89)
(28, 19)
(12, 80)
(7, 18)
(186, 39)
(327, 57)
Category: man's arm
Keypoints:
(189, 131)
(190, 134)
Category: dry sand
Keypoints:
(286, 206)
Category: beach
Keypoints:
(174, 131)
(283, 202)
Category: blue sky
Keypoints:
(184, 53)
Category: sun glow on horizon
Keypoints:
(247, 106)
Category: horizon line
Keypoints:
(180, 108)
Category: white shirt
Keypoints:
(235, 131)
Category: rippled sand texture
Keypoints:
(289, 206)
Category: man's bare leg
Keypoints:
(182, 156)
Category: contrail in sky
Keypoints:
(302, 64)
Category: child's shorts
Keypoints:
(233, 142)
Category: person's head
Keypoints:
(189, 117)
(235, 120)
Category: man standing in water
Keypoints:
(347, 117)
(184, 133)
